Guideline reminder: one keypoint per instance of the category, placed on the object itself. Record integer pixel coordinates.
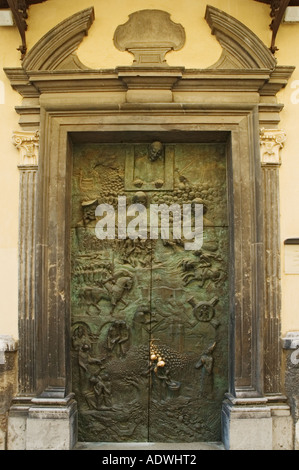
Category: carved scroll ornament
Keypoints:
(271, 142)
(27, 142)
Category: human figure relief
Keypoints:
(206, 363)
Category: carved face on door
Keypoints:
(155, 151)
(150, 319)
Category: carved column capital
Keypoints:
(271, 142)
(27, 142)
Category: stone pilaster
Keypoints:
(260, 420)
(34, 423)
(271, 144)
(27, 142)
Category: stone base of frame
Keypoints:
(257, 426)
(43, 424)
(51, 424)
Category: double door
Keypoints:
(149, 317)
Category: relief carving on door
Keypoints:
(149, 319)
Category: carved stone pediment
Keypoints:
(149, 35)
(246, 65)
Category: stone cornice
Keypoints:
(33, 83)
(180, 85)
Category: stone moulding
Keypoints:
(149, 35)
(56, 46)
(241, 47)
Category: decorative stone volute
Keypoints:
(56, 49)
(27, 142)
(271, 142)
(242, 49)
(149, 35)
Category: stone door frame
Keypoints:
(53, 216)
(63, 102)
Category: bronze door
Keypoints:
(149, 318)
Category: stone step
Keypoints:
(148, 446)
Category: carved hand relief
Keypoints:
(271, 142)
(149, 168)
(149, 35)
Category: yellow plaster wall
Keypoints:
(97, 51)
(9, 186)
(288, 54)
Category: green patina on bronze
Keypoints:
(149, 319)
